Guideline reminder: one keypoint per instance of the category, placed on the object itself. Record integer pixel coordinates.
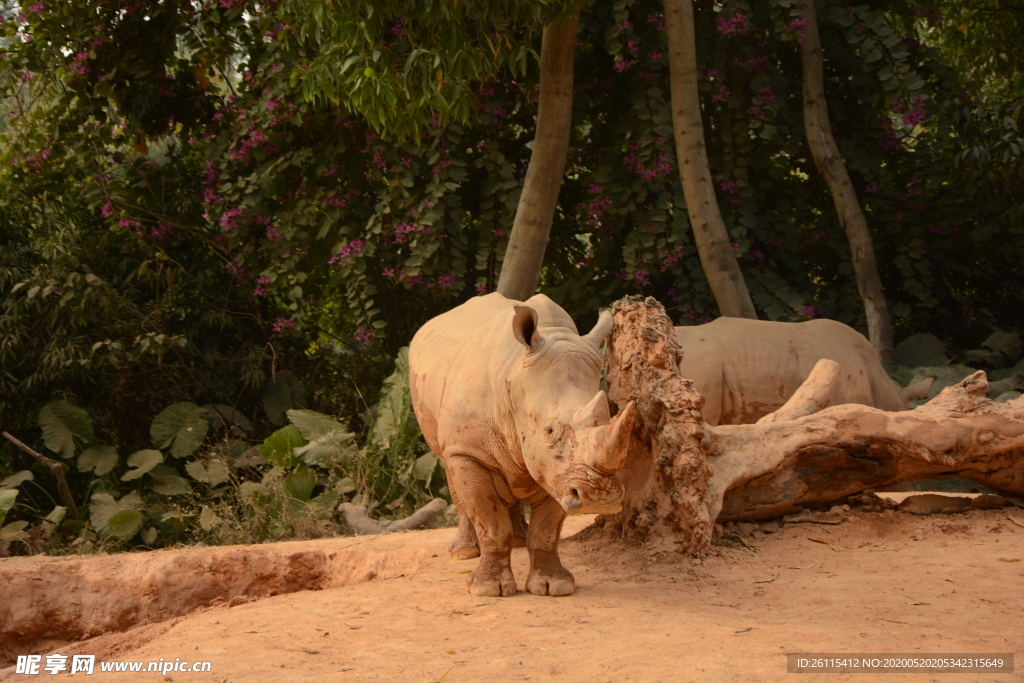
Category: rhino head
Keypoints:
(571, 444)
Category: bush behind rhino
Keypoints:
(206, 480)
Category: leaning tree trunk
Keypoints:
(713, 244)
(524, 256)
(682, 475)
(830, 164)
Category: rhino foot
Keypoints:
(490, 586)
(465, 552)
(555, 583)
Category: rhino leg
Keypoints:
(485, 499)
(547, 575)
(519, 526)
(464, 546)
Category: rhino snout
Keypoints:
(592, 493)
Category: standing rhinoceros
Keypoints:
(748, 368)
(508, 396)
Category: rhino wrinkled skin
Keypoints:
(508, 396)
(746, 369)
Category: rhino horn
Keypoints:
(610, 455)
(596, 413)
(601, 329)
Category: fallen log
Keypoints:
(362, 524)
(683, 475)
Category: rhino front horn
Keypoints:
(610, 455)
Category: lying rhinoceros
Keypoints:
(748, 368)
(508, 396)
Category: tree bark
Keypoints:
(682, 475)
(524, 256)
(713, 244)
(830, 164)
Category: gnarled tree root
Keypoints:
(361, 524)
(683, 475)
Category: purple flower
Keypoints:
(446, 281)
(622, 65)
(481, 288)
(229, 219)
(262, 285)
(364, 336)
(273, 233)
(351, 249)
(282, 324)
(871, 189)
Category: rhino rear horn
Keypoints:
(597, 412)
(601, 329)
(611, 454)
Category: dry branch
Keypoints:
(682, 475)
(58, 473)
(361, 524)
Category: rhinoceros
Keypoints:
(508, 396)
(748, 368)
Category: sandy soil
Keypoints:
(879, 582)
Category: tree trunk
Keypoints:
(682, 475)
(713, 244)
(830, 164)
(524, 256)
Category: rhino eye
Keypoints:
(549, 430)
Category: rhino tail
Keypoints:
(918, 390)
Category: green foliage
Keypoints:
(7, 498)
(61, 422)
(181, 428)
(98, 459)
(282, 393)
(279, 448)
(141, 462)
(919, 350)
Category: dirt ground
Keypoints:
(877, 583)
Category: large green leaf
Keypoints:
(919, 350)
(143, 461)
(99, 459)
(102, 507)
(170, 483)
(181, 427)
(279, 447)
(16, 479)
(215, 473)
(61, 421)
(423, 468)
(124, 524)
(223, 415)
(395, 430)
(329, 442)
(283, 392)
(300, 483)
(7, 498)
(314, 425)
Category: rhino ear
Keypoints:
(524, 327)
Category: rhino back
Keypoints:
(749, 368)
